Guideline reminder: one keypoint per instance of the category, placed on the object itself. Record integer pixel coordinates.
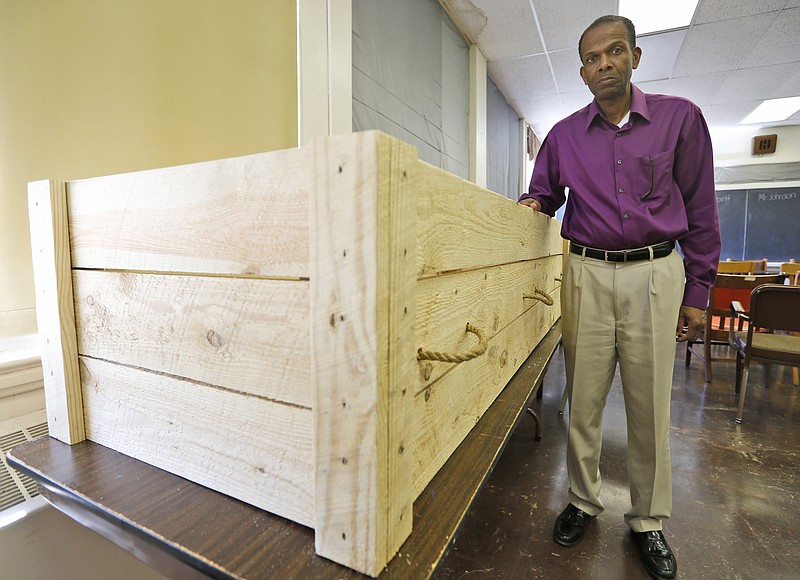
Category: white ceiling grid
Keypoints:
(733, 55)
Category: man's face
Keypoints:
(608, 61)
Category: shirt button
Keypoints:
(621, 190)
(619, 134)
(626, 215)
(619, 161)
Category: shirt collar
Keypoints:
(638, 106)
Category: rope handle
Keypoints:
(540, 296)
(457, 357)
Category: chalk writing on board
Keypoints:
(723, 198)
(777, 196)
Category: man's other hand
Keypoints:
(690, 323)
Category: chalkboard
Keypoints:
(772, 228)
(732, 208)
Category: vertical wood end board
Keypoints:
(363, 284)
(55, 316)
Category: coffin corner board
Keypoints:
(285, 297)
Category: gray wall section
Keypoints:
(504, 150)
(411, 78)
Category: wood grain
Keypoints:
(243, 216)
(247, 335)
(225, 538)
(362, 301)
(251, 449)
(462, 226)
(447, 410)
(47, 210)
(488, 298)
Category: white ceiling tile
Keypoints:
(567, 70)
(660, 87)
(701, 89)
(659, 52)
(754, 84)
(779, 44)
(719, 61)
(790, 87)
(522, 78)
(728, 114)
(716, 10)
(509, 32)
(534, 107)
(720, 46)
(563, 21)
(543, 113)
(575, 101)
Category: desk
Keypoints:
(185, 530)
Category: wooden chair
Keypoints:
(773, 308)
(791, 269)
(737, 267)
(728, 288)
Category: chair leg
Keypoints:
(707, 350)
(538, 434)
(563, 403)
(745, 373)
(738, 374)
(796, 377)
(688, 353)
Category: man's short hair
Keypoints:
(609, 19)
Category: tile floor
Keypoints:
(736, 489)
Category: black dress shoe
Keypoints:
(570, 526)
(656, 554)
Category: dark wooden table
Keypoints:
(185, 530)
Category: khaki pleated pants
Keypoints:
(626, 313)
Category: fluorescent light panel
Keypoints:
(654, 16)
(773, 110)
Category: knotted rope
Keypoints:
(540, 296)
(457, 357)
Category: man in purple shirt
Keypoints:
(639, 170)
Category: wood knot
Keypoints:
(214, 339)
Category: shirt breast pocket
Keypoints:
(654, 176)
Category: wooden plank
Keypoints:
(251, 449)
(47, 210)
(248, 335)
(450, 408)
(154, 510)
(362, 313)
(244, 216)
(489, 299)
(462, 226)
(445, 502)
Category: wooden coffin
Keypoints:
(268, 326)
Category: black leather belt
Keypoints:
(659, 251)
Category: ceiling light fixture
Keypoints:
(773, 110)
(649, 16)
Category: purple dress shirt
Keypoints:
(650, 181)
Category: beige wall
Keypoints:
(94, 87)
(734, 146)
